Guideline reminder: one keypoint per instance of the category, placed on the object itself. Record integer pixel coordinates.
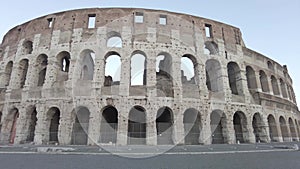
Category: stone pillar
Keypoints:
(123, 116)
(259, 87)
(205, 133)
(22, 126)
(151, 75)
(67, 117)
(151, 137)
(230, 133)
(265, 137)
(226, 86)
(280, 137)
(270, 85)
(94, 124)
(125, 76)
(41, 126)
(250, 132)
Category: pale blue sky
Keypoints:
(270, 27)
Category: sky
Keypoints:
(270, 27)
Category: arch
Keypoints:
(251, 78)
(214, 80)
(234, 78)
(22, 72)
(81, 126)
(275, 85)
(283, 88)
(164, 125)
(164, 78)
(240, 126)
(284, 129)
(270, 65)
(137, 126)
(63, 59)
(258, 127)
(264, 81)
(138, 70)
(211, 48)
(293, 130)
(42, 62)
(272, 128)
(31, 123)
(192, 126)
(11, 124)
(218, 126)
(53, 115)
(87, 64)
(188, 69)
(8, 70)
(63, 62)
(297, 128)
(114, 40)
(109, 125)
(112, 69)
(27, 47)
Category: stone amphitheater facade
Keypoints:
(177, 79)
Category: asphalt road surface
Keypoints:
(242, 160)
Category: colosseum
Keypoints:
(127, 76)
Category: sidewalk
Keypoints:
(144, 149)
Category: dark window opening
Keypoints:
(139, 17)
(208, 31)
(50, 22)
(163, 20)
(92, 21)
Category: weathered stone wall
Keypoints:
(73, 86)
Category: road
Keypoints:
(282, 159)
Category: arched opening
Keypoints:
(293, 130)
(138, 69)
(218, 127)
(63, 59)
(234, 78)
(112, 69)
(164, 80)
(109, 125)
(164, 125)
(114, 40)
(240, 126)
(214, 80)
(8, 70)
(27, 47)
(284, 129)
(54, 115)
(22, 71)
(81, 126)
(87, 65)
(42, 62)
(258, 127)
(251, 78)
(188, 69)
(270, 65)
(42, 75)
(275, 86)
(137, 126)
(211, 48)
(272, 128)
(32, 114)
(264, 81)
(11, 124)
(296, 128)
(192, 126)
(283, 88)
